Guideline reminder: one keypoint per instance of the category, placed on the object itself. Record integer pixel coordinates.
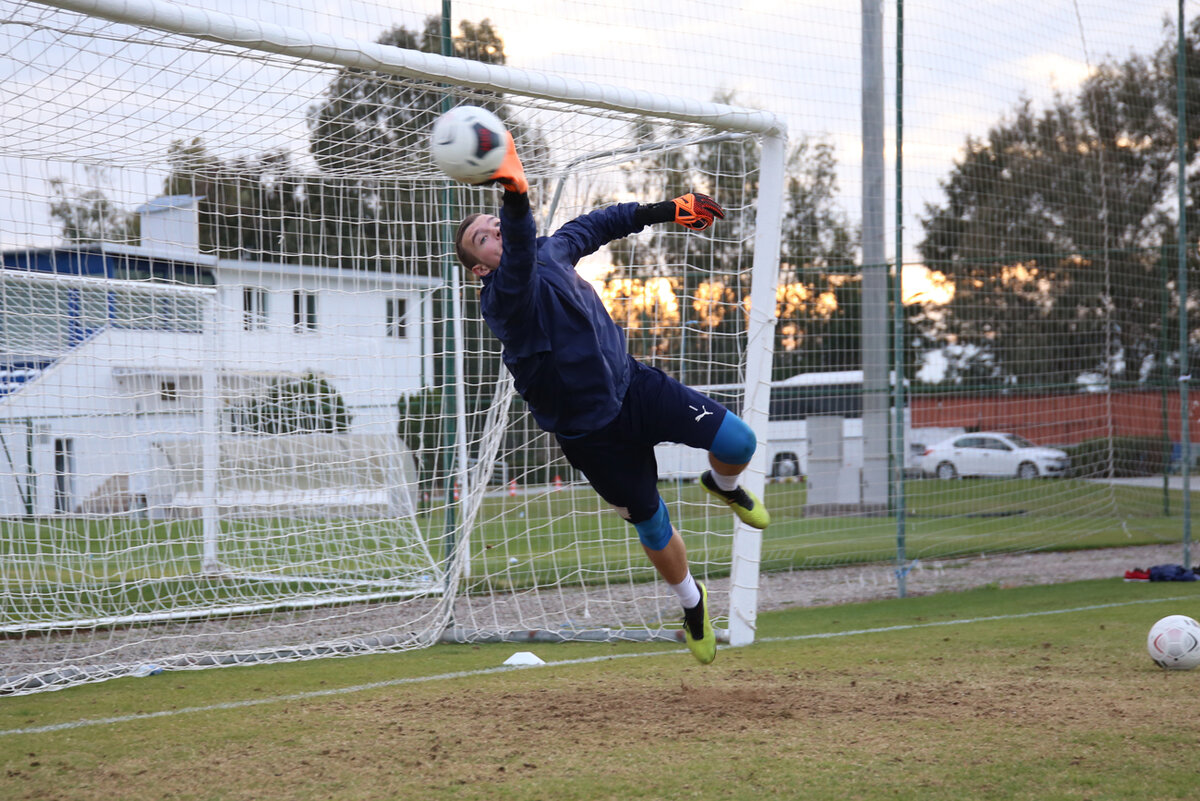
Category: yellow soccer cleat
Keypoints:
(743, 502)
(698, 631)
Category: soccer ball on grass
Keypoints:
(1174, 642)
(468, 143)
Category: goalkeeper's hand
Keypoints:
(511, 174)
(697, 211)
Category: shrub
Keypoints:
(1119, 457)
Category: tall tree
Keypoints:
(369, 123)
(251, 207)
(361, 209)
(698, 332)
(1051, 231)
(87, 215)
(1164, 368)
(819, 298)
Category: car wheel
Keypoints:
(1027, 470)
(946, 470)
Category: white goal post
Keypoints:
(356, 451)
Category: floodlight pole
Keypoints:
(1181, 246)
(899, 399)
(874, 345)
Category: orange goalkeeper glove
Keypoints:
(511, 174)
(697, 211)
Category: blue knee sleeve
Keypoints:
(656, 532)
(734, 442)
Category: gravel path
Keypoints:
(871, 582)
(817, 587)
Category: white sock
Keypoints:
(727, 483)
(687, 591)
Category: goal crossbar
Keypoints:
(344, 52)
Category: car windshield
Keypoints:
(1019, 441)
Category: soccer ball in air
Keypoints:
(468, 144)
(1174, 642)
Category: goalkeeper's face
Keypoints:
(482, 240)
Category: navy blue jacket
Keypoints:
(566, 355)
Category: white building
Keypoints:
(104, 381)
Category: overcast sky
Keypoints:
(966, 65)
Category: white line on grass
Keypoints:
(936, 623)
(77, 724)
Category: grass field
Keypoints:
(1032, 693)
(118, 565)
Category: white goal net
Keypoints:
(248, 407)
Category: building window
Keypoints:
(254, 308)
(168, 391)
(64, 475)
(397, 310)
(304, 311)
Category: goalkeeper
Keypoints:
(569, 362)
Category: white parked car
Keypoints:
(989, 453)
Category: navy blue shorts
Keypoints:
(618, 460)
